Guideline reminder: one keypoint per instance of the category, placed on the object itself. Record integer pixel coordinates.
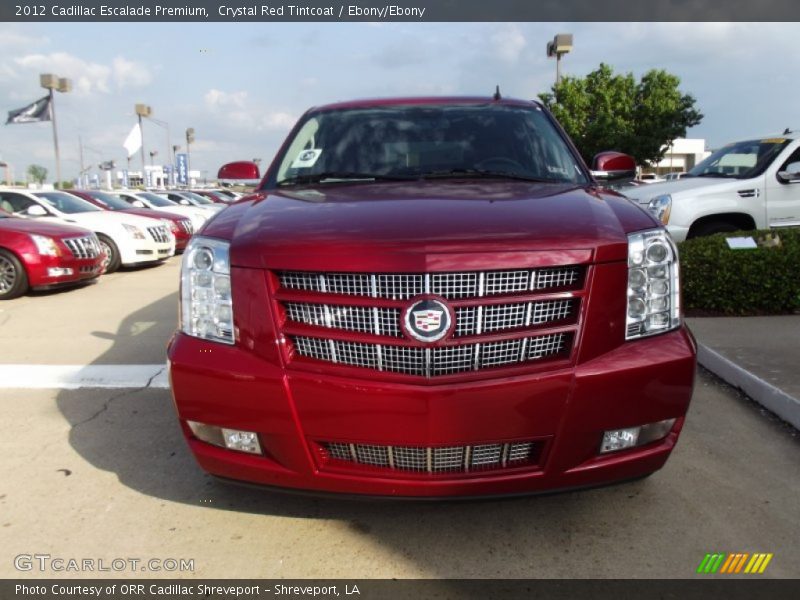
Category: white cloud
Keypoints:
(215, 99)
(13, 39)
(88, 77)
(130, 74)
(508, 43)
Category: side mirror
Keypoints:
(613, 166)
(791, 174)
(240, 170)
(184, 202)
(138, 204)
(36, 211)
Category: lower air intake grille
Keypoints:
(447, 459)
(432, 362)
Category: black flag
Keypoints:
(33, 113)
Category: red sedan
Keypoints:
(180, 226)
(35, 254)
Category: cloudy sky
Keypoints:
(242, 85)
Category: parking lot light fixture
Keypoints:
(561, 45)
(142, 110)
(63, 85)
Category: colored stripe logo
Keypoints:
(737, 562)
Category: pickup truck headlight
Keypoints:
(206, 303)
(661, 206)
(653, 284)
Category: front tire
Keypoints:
(113, 259)
(13, 278)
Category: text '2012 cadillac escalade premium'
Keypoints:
(431, 297)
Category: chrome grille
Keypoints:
(380, 321)
(159, 234)
(433, 460)
(186, 225)
(402, 286)
(386, 321)
(432, 362)
(83, 247)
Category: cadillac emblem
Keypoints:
(427, 320)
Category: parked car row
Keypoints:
(58, 238)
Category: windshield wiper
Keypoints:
(715, 174)
(484, 173)
(339, 176)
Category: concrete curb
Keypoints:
(770, 397)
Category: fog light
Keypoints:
(232, 439)
(620, 439)
(59, 272)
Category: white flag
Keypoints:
(134, 140)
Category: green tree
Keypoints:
(607, 111)
(37, 173)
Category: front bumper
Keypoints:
(564, 412)
(40, 275)
(145, 251)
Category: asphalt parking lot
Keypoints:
(105, 474)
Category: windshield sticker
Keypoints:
(306, 158)
(558, 170)
(773, 141)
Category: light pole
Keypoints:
(142, 110)
(561, 45)
(60, 84)
(189, 140)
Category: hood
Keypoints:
(148, 213)
(644, 193)
(293, 229)
(42, 226)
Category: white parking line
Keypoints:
(73, 377)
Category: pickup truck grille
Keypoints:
(501, 318)
(83, 247)
(433, 460)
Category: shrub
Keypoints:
(764, 280)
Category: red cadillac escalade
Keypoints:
(431, 297)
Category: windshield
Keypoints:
(67, 203)
(431, 141)
(157, 200)
(109, 200)
(197, 198)
(741, 160)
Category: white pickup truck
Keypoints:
(752, 184)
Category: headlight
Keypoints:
(206, 304)
(170, 225)
(134, 231)
(45, 245)
(653, 284)
(661, 206)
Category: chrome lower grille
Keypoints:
(159, 234)
(83, 247)
(431, 460)
(452, 286)
(432, 362)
